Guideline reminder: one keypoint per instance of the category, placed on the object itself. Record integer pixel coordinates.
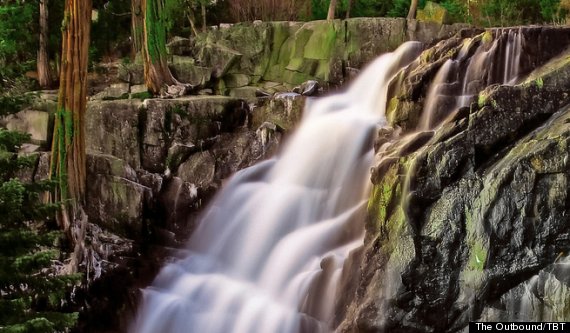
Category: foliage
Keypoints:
(509, 13)
(31, 294)
(456, 9)
(369, 8)
(400, 8)
(554, 11)
(17, 45)
(110, 32)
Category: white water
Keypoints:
(268, 253)
(505, 48)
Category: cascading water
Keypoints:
(472, 74)
(268, 253)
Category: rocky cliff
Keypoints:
(468, 219)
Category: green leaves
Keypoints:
(17, 45)
(31, 294)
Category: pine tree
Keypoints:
(31, 293)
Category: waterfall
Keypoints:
(268, 253)
(472, 74)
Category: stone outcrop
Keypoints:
(152, 164)
(468, 220)
(232, 57)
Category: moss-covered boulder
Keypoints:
(186, 70)
(113, 128)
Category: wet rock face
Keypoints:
(475, 222)
(480, 58)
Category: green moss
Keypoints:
(155, 22)
(295, 64)
(322, 41)
(280, 35)
(539, 82)
(294, 77)
(119, 192)
(141, 95)
(323, 70)
(220, 87)
(478, 256)
(426, 55)
(487, 37)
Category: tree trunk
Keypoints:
(332, 9)
(44, 72)
(137, 26)
(204, 23)
(156, 72)
(348, 8)
(413, 9)
(68, 144)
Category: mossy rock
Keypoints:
(185, 70)
(236, 80)
(321, 44)
(433, 12)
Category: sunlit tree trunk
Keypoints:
(413, 9)
(44, 73)
(68, 145)
(137, 26)
(156, 72)
(332, 9)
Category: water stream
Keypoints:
(268, 253)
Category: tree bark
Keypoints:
(156, 72)
(332, 9)
(413, 9)
(44, 73)
(68, 164)
(137, 26)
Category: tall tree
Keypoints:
(68, 145)
(332, 9)
(137, 25)
(44, 72)
(158, 77)
(413, 9)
